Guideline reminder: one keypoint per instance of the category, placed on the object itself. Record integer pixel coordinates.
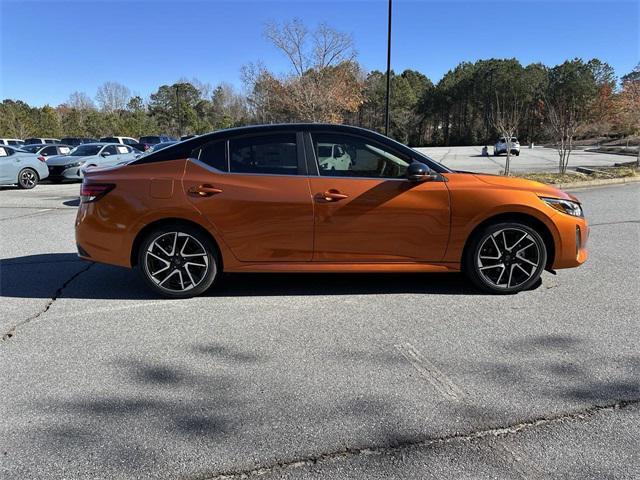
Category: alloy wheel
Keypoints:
(508, 258)
(176, 262)
(28, 178)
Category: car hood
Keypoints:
(523, 184)
(66, 159)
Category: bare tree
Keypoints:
(564, 118)
(112, 97)
(80, 101)
(325, 81)
(505, 117)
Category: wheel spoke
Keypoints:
(186, 269)
(510, 275)
(496, 245)
(521, 238)
(175, 270)
(501, 273)
(175, 240)
(527, 261)
(498, 265)
(528, 274)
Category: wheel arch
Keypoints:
(137, 242)
(519, 217)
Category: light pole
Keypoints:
(178, 108)
(386, 108)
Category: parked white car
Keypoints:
(88, 155)
(332, 156)
(12, 142)
(501, 146)
(122, 140)
(21, 168)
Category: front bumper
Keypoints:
(571, 248)
(64, 172)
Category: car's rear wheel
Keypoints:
(28, 178)
(178, 261)
(505, 258)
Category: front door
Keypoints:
(367, 211)
(255, 193)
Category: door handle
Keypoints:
(333, 196)
(204, 190)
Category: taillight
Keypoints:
(42, 159)
(90, 192)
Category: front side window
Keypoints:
(123, 150)
(110, 149)
(275, 154)
(341, 155)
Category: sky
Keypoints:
(50, 49)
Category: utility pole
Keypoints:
(178, 108)
(386, 108)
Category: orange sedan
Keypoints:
(320, 198)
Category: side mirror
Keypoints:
(105, 154)
(419, 172)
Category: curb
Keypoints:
(596, 183)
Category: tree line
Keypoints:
(326, 83)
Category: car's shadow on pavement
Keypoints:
(63, 274)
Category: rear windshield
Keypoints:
(33, 140)
(31, 148)
(109, 140)
(86, 150)
(152, 139)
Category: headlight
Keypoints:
(564, 206)
(77, 164)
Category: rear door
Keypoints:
(254, 191)
(365, 208)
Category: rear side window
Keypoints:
(4, 152)
(213, 154)
(267, 154)
(49, 151)
(64, 150)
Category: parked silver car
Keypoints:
(72, 166)
(21, 168)
(501, 146)
(46, 150)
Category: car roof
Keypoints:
(184, 148)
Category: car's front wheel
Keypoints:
(505, 258)
(28, 178)
(178, 261)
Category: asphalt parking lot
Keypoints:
(537, 159)
(315, 376)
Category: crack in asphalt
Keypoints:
(57, 294)
(613, 223)
(348, 453)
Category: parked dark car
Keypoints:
(34, 141)
(148, 141)
(187, 137)
(75, 141)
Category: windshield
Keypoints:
(150, 139)
(86, 150)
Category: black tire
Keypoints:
(198, 249)
(522, 273)
(28, 178)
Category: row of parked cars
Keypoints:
(25, 162)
